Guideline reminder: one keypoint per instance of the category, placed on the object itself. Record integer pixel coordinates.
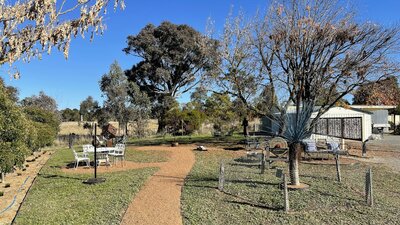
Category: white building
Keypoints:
(337, 122)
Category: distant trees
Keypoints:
(41, 101)
(383, 92)
(88, 108)
(174, 57)
(68, 115)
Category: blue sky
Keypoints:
(71, 81)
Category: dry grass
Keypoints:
(77, 128)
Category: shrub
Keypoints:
(19, 174)
(7, 185)
(1, 193)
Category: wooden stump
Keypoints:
(221, 179)
(369, 198)
(339, 177)
(285, 193)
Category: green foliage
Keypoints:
(124, 101)
(46, 124)
(13, 133)
(219, 110)
(190, 119)
(70, 115)
(88, 108)
(41, 101)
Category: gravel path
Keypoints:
(158, 202)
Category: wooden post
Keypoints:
(369, 199)
(364, 148)
(285, 193)
(267, 154)
(339, 177)
(262, 162)
(221, 179)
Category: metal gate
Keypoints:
(347, 127)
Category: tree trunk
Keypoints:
(161, 124)
(245, 124)
(294, 156)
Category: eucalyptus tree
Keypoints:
(173, 59)
(124, 101)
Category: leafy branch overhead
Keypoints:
(30, 28)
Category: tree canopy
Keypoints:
(383, 92)
(41, 101)
(173, 59)
(88, 108)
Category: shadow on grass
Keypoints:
(234, 148)
(252, 204)
(49, 176)
(339, 197)
(252, 182)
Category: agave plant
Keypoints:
(295, 125)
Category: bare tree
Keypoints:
(32, 27)
(308, 49)
(238, 73)
(318, 46)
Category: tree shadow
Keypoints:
(247, 202)
(58, 176)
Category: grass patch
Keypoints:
(252, 198)
(62, 198)
(146, 156)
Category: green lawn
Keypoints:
(146, 156)
(252, 198)
(62, 198)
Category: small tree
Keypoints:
(88, 108)
(219, 110)
(46, 124)
(115, 87)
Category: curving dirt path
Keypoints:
(158, 202)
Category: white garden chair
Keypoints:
(102, 158)
(118, 153)
(81, 157)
